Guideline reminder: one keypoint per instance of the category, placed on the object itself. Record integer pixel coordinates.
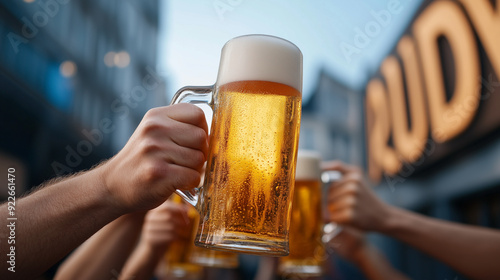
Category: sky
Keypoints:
(348, 39)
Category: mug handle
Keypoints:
(193, 95)
(331, 229)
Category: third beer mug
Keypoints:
(245, 200)
(306, 248)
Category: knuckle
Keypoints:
(198, 160)
(152, 172)
(199, 135)
(151, 113)
(149, 145)
(348, 216)
(353, 188)
(149, 125)
(351, 202)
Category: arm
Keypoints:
(166, 151)
(376, 267)
(161, 227)
(67, 212)
(268, 267)
(350, 244)
(102, 256)
(471, 250)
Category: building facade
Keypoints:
(428, 124)
(76, 77)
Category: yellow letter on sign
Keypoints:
(487, 22)
(446, 19)
(380, 154)
(408, 142)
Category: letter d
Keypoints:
(383, 17)
(360, 39)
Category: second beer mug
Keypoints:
(245, 200)
(306, 248)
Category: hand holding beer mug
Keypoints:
(306, 248)
(245, 201)
(178, 256)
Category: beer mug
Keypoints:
(306, 227)
(178, 256)
(214, 258)
(245, 200)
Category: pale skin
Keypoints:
(166, 151)
(471, 250)
(104, 254)
(162, 226)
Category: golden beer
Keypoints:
(250, 171)
(306, 249)
(245, 201)
(178, 255)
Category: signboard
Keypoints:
(438, 91)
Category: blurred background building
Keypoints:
(76, 78)
(455, 175)
(332, 121)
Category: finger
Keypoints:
(180, 215)
(182, 156)
(344, 189)
(170, 213)
(339, 166)
(160, 229)
(342, 217)
(182, 177)
(188, 135)
(184, 214)
(340, 204)
(187, 113)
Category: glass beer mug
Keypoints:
(214, 258)
(245, 201)
(178, 257)
(306, 229)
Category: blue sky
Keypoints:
(347, 38)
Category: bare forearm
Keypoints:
(473, 251)
(40, 243)
(103, 255)
(376, 267)
(142, 262)
(267, 268)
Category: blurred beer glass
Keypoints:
(178, 256)
(214, 258)
(245, 200)
(306, 248)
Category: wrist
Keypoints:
(361, 255)
(392, 220)
(155, 251)
(94, 192)
(103, 172)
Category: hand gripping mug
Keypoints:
(245, 200)
(178, 263)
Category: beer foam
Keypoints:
(308, 165)
(261, 58)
